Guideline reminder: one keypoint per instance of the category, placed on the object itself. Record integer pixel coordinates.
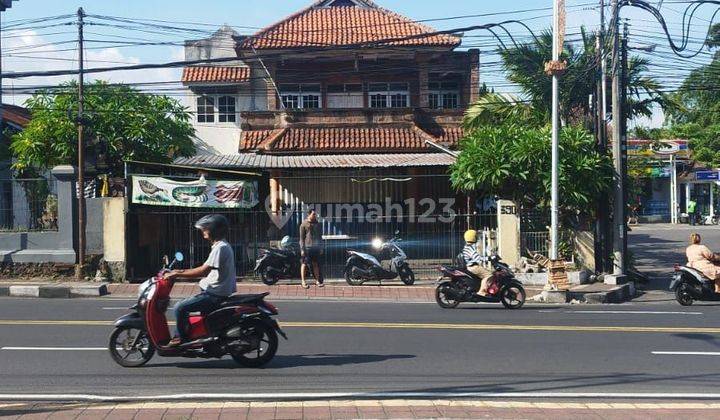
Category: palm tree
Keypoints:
(525, 66)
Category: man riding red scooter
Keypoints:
(239, 325)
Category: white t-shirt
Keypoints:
(221, 281)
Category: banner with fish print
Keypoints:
(157, 191)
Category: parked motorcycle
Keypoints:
(690, 285)
(362, 267)
(275, 264)
(463, 286)
(242, 326)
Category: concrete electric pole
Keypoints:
(556, 68)
(81, 151)
(618, 149)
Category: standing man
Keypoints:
(311, 248)
(692, 211)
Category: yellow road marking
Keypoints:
(416, 326)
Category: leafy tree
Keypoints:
(128, 123)
(525, 65)
(513, 160)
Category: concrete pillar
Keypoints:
(274, 193)
(472, 82)
(687, 197)
(508, 232)
(712, 199)
(65, 176)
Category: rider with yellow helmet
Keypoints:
(474, 261)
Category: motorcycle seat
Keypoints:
(243, 299)
(700, 276)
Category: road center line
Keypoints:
(417, 326)
(686, 353)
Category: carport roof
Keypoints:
(259, 161)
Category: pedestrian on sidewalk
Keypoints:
(311, 249)
(692, 212)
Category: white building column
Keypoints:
(673, 192)
(687, 197)
(712, 199)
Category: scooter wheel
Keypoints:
(407, 276)
(442, 298)
(267, 346)
(267, 278)
(130, 347)
(512, 297)
(683, 297)
(352, 281)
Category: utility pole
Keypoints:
(619, 222)
(81, 152)
(556, 69)
(4, 5)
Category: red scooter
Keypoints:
(242, 326)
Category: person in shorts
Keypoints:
(311, 249)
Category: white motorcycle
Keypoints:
(362, 267)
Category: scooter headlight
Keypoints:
(377, 243)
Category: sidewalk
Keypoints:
(386, 409)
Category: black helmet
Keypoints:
(216, 224)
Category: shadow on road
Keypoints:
(282, 362)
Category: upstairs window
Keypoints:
(301, 96)
(226, 109)
(389, 95)
(205, 109)
(443, 94)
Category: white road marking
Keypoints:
(686, 353)
(116, 309)
(54, 348)
(635, 312)
(295, 396)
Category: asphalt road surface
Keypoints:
(383, 347)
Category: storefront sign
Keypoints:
(157, 191)
(707, 175)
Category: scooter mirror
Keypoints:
(179, 256)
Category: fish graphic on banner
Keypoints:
(158, 191)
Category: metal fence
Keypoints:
(28, 205)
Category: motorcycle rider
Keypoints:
(474, 261)
(218, 272)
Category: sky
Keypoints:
(44, 45)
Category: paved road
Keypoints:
(657, 247)
(389, 348)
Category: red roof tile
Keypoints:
(343, 26)
(342, 139)
(215, 74)
(16, 115)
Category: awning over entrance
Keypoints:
(259, 161)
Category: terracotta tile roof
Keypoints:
(341, 139)
(376, 160)
(16, 115)
(215, 74)
(318, 26)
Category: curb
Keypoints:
(54, 291)
(621, 293)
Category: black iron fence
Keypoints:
(28, 205)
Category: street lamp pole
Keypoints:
(618, 144)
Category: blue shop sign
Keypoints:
(707, 176)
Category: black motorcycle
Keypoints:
(283, 262)
(690, 285)
(463, 286)
(361, 267)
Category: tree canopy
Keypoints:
(513, 160)
(126, 123)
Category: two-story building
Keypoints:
(339, 103)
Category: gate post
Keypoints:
(508, 232)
